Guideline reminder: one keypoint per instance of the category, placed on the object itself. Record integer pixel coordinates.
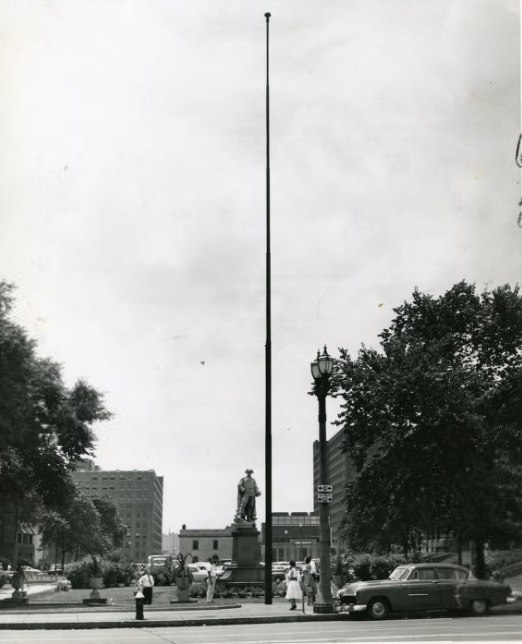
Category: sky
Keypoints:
(133, 209)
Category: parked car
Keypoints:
(55, 569)
(31, 574)
(203, 565)
(423, 587)
(279, 570)
(199, 575)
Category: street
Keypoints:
(440, 629)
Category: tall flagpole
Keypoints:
(268, 352)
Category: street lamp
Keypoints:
(321, 370)
(301, 558)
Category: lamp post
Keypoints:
(301, 558)
(321, 370)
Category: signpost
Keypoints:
(324, 493)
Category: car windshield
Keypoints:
(399, 573)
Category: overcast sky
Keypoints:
(132, 205)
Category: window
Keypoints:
(423, 574)
(195, 545)
(25, 538)
(215, 544)
(446, 573)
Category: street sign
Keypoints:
(325, 488)
(324, 498)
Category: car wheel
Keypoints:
(378, 609)
(478, 607)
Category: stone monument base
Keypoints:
(245, 568)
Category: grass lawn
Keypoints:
(125, 597)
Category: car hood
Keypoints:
(351, 589)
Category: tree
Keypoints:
(45, 427)
(432, 420)
(85, 527)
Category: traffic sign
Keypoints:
(325, 488)
(324, 498)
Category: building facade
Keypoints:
(170, 544)
(341, 470)
(204, 544)
(295, 535)
(138, 495)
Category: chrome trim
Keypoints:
(355, 608)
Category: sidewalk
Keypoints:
(39, 616)
(32, 617)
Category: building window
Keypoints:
(25, 538)
(215, 544)
(195, 545)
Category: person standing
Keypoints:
(309, 583)
(293, 592)
(211, 582)
(146, 584)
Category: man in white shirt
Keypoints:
(146, 584)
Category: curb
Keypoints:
(148, 623)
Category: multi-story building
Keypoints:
(295, 535)
(170, 544)
(138, 495)
(341, 470)
(204, 544)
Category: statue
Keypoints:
(247, 491)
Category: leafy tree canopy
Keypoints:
(432, 420)
(84, 526)
(44, 426)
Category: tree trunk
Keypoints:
(459, 550)
(480, 565)
(15, 544)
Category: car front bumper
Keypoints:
(351, 607)
(356, 608)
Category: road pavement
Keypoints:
(421, 630)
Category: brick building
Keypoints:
(138, 495)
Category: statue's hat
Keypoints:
(249, 471)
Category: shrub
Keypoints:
(362, 567)
(4, 579)
(382, 566)
(80, 574)
(163, 575)
(115, 573)
(370, 566)
(198, 590)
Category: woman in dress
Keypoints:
(309, 583)
(293, 592)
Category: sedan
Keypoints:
(199, 574)
(423, 587)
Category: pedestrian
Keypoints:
(309, 583)
(293, 592)
(146, 584)
(211, 582)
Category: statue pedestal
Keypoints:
(245, 569)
